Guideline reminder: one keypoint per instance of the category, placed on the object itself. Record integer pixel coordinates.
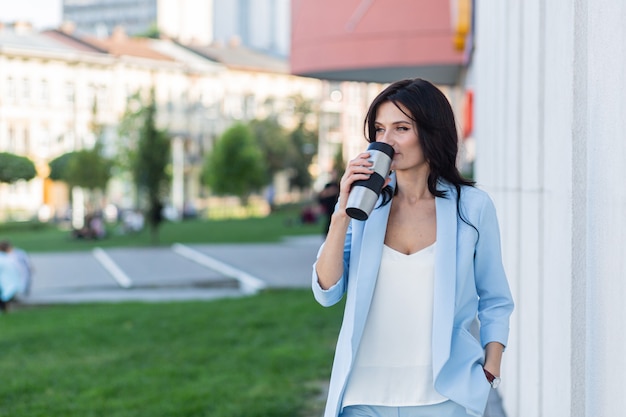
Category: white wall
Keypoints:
(550, 82)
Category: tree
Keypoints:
(274, 144)
(339, 164)
(59, 167)
(293, 151)
(235, 166)
(88, 168)
(150, 163)
(128, 135)
(84, 170)
(145, 153)
(304, 148)
(152, 32)
(14, 167)
(304, 143)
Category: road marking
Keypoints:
(116, 272)
(249, 283)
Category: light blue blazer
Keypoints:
(470, 283)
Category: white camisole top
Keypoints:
(393, 366)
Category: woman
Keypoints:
(417, 273)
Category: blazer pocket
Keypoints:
(466, 348)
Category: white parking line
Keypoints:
(249, 284)
(116, 272)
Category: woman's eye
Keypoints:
(403, 128)
(379, 130)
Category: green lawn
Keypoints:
(43, 238)
(267, 355)
(262, 356)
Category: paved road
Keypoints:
(179, 272)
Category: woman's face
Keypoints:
(396, 129)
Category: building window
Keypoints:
(26, 89)
(334, 121)
(250, 106)
(69, 92)
(233, 106)
(11, 139)
(11, 89)
(26, 144)
(45, 91)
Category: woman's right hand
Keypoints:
(358, 169)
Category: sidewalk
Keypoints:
(179, 272)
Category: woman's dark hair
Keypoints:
(434, 120)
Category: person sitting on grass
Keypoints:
(23, 261)
(11, 282)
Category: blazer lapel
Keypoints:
(445, 278)
(373, 240)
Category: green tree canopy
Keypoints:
(15, 167)
(152, 158)
(86, 168)
(145, 150)
(235, 166)
(59, 167)
(89, 169)
(339, 164)
(288, 150)
(274, 144)
(304, 148)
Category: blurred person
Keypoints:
(93, 228)
(133, 221)
(22, 259)
(309, 214)
(328, 199)
(270, 197)
(417, 273)
(11, 280)
(96, 227)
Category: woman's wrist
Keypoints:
(492, 369)
(493, 357)
(340, 217)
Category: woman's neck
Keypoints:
(413, 186)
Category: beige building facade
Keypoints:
(51, 81)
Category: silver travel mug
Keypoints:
(364, 193)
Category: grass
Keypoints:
(261, 356)
(45, 238)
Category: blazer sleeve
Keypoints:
(334, 294)
(495, 301)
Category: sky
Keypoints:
(41, 13)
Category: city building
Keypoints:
(49, 89)
(55, 79)
(186, 20)
(262, 25)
